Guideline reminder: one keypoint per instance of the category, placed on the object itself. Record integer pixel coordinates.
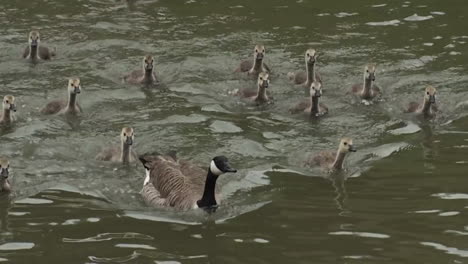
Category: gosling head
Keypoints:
(4, 167)
(9, 103)
(316, 89)
(127, 136)
(263, 80)
(369, 72)
(311, 56)
(346, 145)
(148, 63)
(220, 165)
(430, 94)
(34, 38)
(74, 86)
(259, 52)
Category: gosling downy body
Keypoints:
(124, 152)
(333, 160)
(256, 66)
(9, 107)
(260, 95)
(34, 51)
(171, 182)
(310, 75)
(69, 106)
(144, 76)
(428, 107)
(5, 186)
(312, 106)
(367, 90)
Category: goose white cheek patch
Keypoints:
(214, 169)
(147, 178)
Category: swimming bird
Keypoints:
(171, 182)
(367, 90)
(312, 105)
(333, 160)
(428, 107)
(9, 106)
(34, 51)
(5, 185)
(69, 106)
(310, 75)
(124, 153)
(256, 66)
(258, 96)
(145, 75)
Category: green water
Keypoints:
(403, 198)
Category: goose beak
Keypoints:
(129, 141)
(4, 173)
(352, 148)
(77, 89)
(13, 107)
(432, 99)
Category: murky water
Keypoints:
(403, 198)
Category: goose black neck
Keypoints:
(208, 200)
(314, 105)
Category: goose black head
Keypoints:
(220, 165)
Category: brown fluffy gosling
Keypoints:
(258, 96)
(9, 106)
(5, 186)
(34, 51)
(69, 106)
(310, 75)
(144, 76)
(124, 153)
(312, 106)
(333, 160)
(368, 90)
(428, 107)
(256, 66)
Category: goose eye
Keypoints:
(256, 50)
(6, 101)
(263, 50)
(125, 134)
(261, 79)
(345, 143)
(427, 93)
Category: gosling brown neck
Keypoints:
(314, 105)
(427, 108)
(5, 185)
(126, 150)
(71, 101)
(366, 89)
(339, 160)
(33, 52)
(258, 65)
(310, 67)
(7, 115)
(261, 94)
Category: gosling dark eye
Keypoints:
(6, 101)
(345, 143)
(427, 93)
(263, 50)
(125, 134)
(367, 71)
(256, 50)
(261, 79)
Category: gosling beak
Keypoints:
(372, 77)
(432, 99)
(129, 141)
(318, 93)
(259, 56)
(34, 43)
(266, 84)
(4, 173)
(352, 148)
(312, 59)
(149, 67)
(77, 89)
(13, 107)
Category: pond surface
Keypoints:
(403, 198)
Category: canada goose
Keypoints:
(428, 108)
(8, 106)
(258, 96)
(333, 160)
(5, 185)
(34, 51)
(124, 153)
(256, 66)
(69, 106)
(144, 76)
(368, 89)
(171, 182)
(310, 75)
(312, 105)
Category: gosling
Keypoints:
(312, 106)
(331, 160)
(368, 90)
(310, 75)
(9, 106)
(144, 76)
(260, 95)
(124, 153)
(428, 107)
(256, 66)
(69, 106)
(34, 51)
(5, 186)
